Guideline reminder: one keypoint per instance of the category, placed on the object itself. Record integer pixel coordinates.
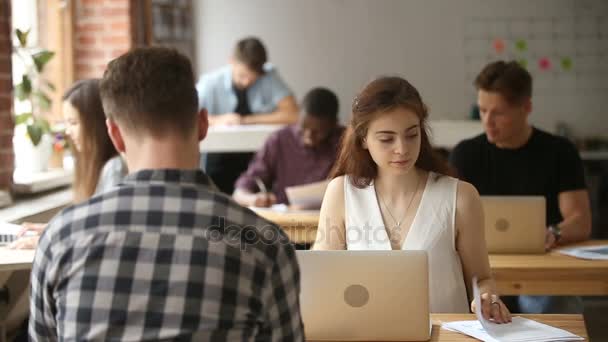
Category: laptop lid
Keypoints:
(515, 224)
(365, 295)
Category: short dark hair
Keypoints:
(509, 79)
(151, 89)
(321, 103)
(251, 52)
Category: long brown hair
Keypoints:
(97, 148)
(380, 96)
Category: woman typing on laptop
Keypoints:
(389, 191)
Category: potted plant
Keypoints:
(32, 139)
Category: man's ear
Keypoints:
(115, 135)
(203, 124)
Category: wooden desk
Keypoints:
(15, 266)
(300, 226)
(20, 261)
(571, 323)
(542, 274)
(551, 274)
(15, 260)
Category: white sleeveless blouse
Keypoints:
(432, 229)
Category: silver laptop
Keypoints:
(515, 224)
(365, 295)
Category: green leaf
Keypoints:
(43, 100)
(22, 118)
(22, 36)
(41, 58)
(44, 125)
(23, 90)
(35, 132)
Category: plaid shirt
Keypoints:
(164, 257)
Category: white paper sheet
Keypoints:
(307, 196)
(519, 330)
(590, 253)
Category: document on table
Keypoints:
(589, 252)
(519, 330)
(307, 196)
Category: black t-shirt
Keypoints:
(546, 166)
(242, 102)
(225, 168)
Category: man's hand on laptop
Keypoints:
(492, 308)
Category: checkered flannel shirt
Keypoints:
(164, 257)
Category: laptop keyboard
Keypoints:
(8, 232)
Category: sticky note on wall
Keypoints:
(566, 63)
(544, 63)
(499, 45)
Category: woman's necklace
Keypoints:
(398, 222)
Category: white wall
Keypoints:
(342, 44)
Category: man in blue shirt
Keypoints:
(247, 91)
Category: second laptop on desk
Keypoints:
(515, 224)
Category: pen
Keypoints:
(261, 185)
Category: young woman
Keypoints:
(389, 191)
(98, 166)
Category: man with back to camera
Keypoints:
(247, 91)
(162, 256)
(514, 158)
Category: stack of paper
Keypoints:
(519, 330)
(590, 252)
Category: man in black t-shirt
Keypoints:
(514, 158)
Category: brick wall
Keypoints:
(6, 100)
(102, 30)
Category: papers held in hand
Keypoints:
(519, 330)
(307, 196)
